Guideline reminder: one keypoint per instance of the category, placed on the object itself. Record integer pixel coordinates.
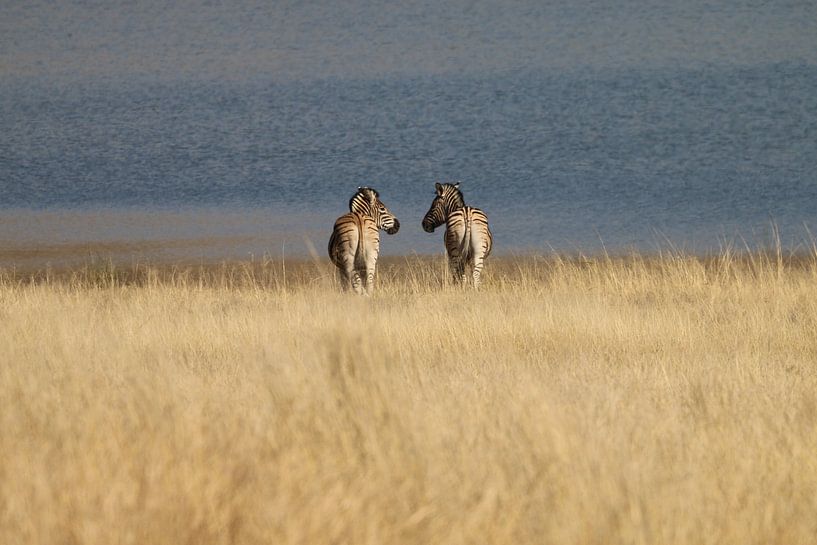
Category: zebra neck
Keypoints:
(362, 208)
(452, 211)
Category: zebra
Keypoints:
(468, 239)
(355, 242)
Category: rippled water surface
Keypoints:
(226, 132)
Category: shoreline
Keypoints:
(61, 238)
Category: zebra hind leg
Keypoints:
(477, 272)
(349, 277)
(349, 280)
(343, 279)
(357, 282)
(369, 281)
(457, 269)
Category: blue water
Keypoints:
(573, 129)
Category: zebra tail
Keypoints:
(465, 252)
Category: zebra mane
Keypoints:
(452, 193)
(361, 198)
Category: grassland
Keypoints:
(668, 399)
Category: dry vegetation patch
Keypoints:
(635, 400)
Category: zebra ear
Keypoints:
(439, 188)
(457, 185)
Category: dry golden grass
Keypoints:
(640, 400)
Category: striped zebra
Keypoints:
(355, 242)
(468, 239)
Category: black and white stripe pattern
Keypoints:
(355, 242)
(468, 239)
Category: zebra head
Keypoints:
(448, 199)
(367, 202)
